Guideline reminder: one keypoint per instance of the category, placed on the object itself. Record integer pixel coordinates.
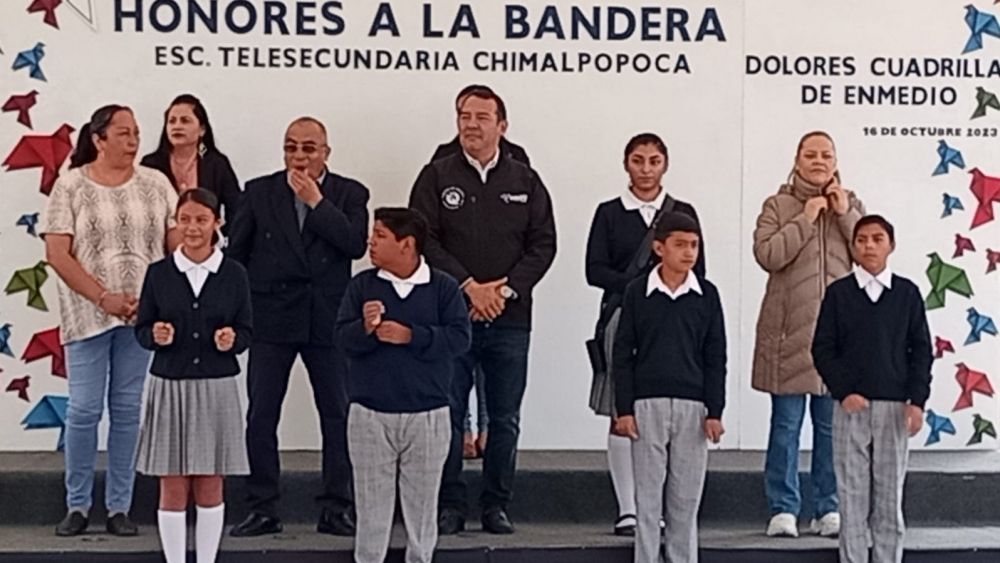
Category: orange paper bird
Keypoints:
(971, 381)
(963, 244)
(941, 346)
(45, 151)
(49, 7)
(44, 344)
(21, 386)
(987, 190)
(21, 104)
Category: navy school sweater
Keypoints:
(404, 378)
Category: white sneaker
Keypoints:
(828, 526)
(783, 525)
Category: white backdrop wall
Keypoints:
(731, 131)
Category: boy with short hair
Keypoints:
(670, 377)
(401, 325)
(872, 348)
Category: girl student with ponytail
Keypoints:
(105, 221)
(195, 315)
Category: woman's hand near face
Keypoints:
(814, 206)
(838, 200)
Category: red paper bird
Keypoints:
(45, 151)
(987, 190)
(21, 104)
(971, 381)
(961, 245)
(941, 346)
(21, 386)
(992, 257)
(45, 344)
(49, 7)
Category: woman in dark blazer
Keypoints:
(619, 228)
(187, 155)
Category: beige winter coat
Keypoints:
(802, 258)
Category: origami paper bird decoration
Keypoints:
(45, 151)
(992, 257)
(21, 104)
(971, 381)
(963, 244)
(980, 427)
(50, 412)
(937, 424)
(85, 9)
(32, 60)
(941, 346)
(951, 203)
(948, 156)
(45, 344)
(945, 277)
(47, 6)
(979, 23)
(987, 190)
(5, 340)
(30, 280)
(978, 324)
(21, 386)
(29, 220)
(984, 99)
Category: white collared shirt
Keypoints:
(873, 285)
(197, 273)
(647, 209)
(484, 171)
(403, 287)
(655, 283)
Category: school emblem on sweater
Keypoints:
(508, 198)
(452, 197)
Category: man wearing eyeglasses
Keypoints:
(296, 234)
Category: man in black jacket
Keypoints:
(454, 146)
(297, 232)
(492, 229)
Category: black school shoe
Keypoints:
(495, 521)
(336, 523)
(74, 524)
(120, 525)
(450, 521)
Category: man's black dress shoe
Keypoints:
(336, 523)
(450, 521)
(256, 524)
(121, 525)
(73, 524)
(495, 521)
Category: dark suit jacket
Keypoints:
(215, 174)
(507, 148)
(298, 279)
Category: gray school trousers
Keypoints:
(870, 454)
(671, 448)
(384, 447)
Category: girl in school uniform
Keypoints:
(194, 313)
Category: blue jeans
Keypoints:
(781, 471)
(113, 364)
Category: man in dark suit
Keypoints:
(297, 232)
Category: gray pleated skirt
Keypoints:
(192, 427)
(602, 387)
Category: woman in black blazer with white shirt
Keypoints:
(194, 313)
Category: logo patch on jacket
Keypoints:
(452, 197)
(508, 197)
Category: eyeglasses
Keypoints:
(307, 149)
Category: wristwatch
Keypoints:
(508, 292)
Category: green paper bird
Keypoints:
(945, 277)
(30, 280)
(981, 426)
(984, 99)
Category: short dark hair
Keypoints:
(647, 139)
(875, 220)
(675, 222)
(203, 197)
(485, 93)
(404, 222)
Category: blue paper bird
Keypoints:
(32, 59)
(979, 23)
(938, 424)
(4, 340)
(951, 203)
(29, 220)
(50, 412)
(948, 156)
(978, 324)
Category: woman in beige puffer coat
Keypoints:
(803, 240)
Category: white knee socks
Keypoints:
(208, 532)
(620, 464)
(173, 535)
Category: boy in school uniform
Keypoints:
(872, 348)
(670, 376)
(401, 325)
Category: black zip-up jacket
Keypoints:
(503, 228)
(507, 148)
